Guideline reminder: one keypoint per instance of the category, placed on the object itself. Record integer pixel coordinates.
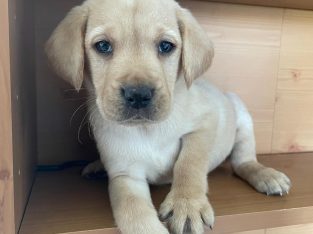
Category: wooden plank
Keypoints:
(6, 151)
(293, 122)
(115, 231)
(296, 229)
(98, 231)
(22, 41)
(299, 4)
(293, 126)
(245, 35)
(251, 232)
(63, 202)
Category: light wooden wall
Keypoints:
(293, 123)
(6, 150)
(23, 101)
(299, 4)
(264, 54)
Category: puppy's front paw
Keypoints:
(187, 214)
(270, 181)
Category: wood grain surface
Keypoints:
(247, 48)
(299, 4)
(64, 202)
(293, 123)
(6, 152)
(23, 101)
(265, 55)
(295, 229)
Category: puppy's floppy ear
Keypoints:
(197, 49)
(65, 47)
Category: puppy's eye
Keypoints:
(166, 47)
(104, 47)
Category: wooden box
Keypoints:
(264, 52)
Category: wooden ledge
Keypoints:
(299, 4)
(64, 202)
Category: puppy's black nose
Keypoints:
(137, 97)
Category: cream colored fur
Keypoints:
(194, 128)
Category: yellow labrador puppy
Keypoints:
(152, 121)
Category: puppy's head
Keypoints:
(133, 51)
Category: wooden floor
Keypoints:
(65, 202)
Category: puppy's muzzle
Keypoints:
(137, 97)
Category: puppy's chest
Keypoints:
(140, 153)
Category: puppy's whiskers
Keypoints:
(83, 105)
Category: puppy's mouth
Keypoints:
(137, 117)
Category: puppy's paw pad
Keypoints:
(271, 182)
(94, 170)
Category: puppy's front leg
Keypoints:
(132, 207)
(186, 207)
